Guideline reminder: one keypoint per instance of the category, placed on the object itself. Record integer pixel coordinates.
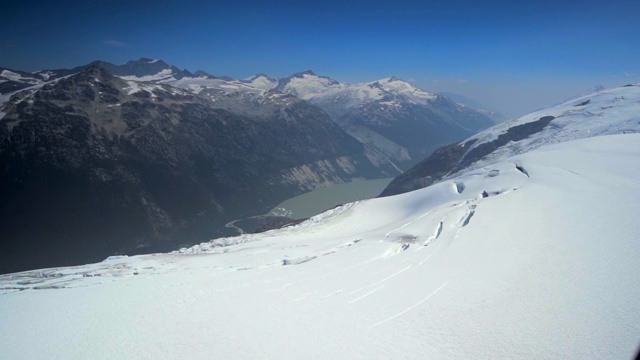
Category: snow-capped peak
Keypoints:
(400, 87)
(261, 81)
(307, 85)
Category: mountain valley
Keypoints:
(143, 157)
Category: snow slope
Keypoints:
(605, 112)
(537, 260)
(8, 75)
(609, 111)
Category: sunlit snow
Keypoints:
(163, 75)
(312, 87)
(10, 75)
(228, 86)
(610, 111)
(533, 254)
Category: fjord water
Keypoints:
(319, 200)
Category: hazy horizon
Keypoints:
(513, 57)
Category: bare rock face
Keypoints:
(93, 165)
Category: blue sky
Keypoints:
(514, 55)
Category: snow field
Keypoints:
(545, 266)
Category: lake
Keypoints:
(317, 201)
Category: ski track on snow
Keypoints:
(410, 307)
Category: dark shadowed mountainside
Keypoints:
(93, 165)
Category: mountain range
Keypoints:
(396, 118)
(392, 117)
(146, 157)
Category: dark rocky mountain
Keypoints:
(202, 73)
(142, 67)
(94, 165)
(14, 80)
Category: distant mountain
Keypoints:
(261, 81)
(396, 118)
(142, 69)
(555, 124)
(492, 114)
(14, 80)
(93, 164)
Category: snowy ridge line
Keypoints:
(313, 87)
(306, 86)
(614, 111)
